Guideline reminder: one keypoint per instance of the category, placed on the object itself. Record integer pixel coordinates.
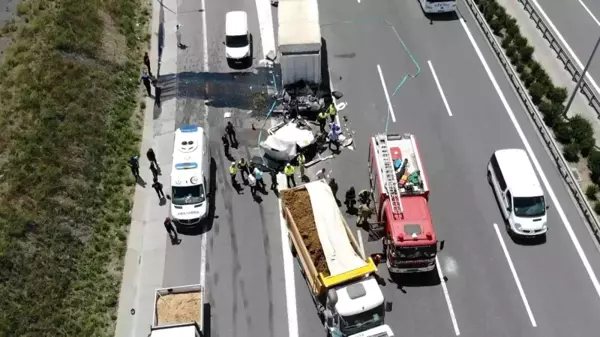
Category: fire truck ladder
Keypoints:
(391, 183)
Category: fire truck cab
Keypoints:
(401, 194)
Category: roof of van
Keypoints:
(188, 156)
(518, 173)
(236, 23)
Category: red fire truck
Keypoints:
(401, 193)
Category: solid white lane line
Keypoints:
(360, 244)
(204, 35)
(566, 45)
(536, 164)
(387, 95)
(589, 12)
(288, 269)
(203, 239)
(265, 24)
(447, 296)
(439, 85)
(515, 276)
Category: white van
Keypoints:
(190, 175)
(238, 44)
(518, 191)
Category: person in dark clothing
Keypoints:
(134, 164)
(225, 145)
(157, 186)
(231, 133)
(350, 198)
(273, 180)
(147, 80)
(147, 63)
(154, 170)
(151, 156)
(157, 93)
(170, 228)
(334, 187)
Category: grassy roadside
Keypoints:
(69, 120)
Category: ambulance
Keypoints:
(190, 175)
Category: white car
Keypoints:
(519, 193)
(238, 41)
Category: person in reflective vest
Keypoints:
(233, 170)
(301, 161)
(332, 112)
(243, 166)
(289, 174)
(322, 119)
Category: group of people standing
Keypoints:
(134, 165)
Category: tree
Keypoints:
(526, 53)
(594, 165)
(557, 95)
(591, 191)
(537, 91)
(562, 132)
(571, 153)
(552, 113)
(582, 133)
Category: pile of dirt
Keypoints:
(179, 308)
(298, 202)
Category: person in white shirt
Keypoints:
(322, 174)
(252, 184)
(258, 174)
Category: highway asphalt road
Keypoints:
(244, 266)
(578, 23)
(241, 243)
(455, 149)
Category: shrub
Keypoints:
(511, 51)
(512, 31)
(594, 165)
(571, 153)
(515, 59)
(562, 132)
(528, 81)
(524, 75)
(510, 23)
(537, 91)
(526, 53)
(520, 68)
(501, 15)
(520, 41)
(582, 133)
(535, 67)
(591, 191)
(597, 207)
(506, 41)
(496, 26)
(557, 95)
(551, 112)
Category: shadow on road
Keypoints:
(414, 280)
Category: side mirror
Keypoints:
(442, 243)
(223, 42)
(388, 306)
(548, 207)
(168, 197)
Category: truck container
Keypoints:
(299, 49)
(401, 190)
(339, 277)
(178, 312)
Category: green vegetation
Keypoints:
(575, 133)
(69, 120)
(591, 192)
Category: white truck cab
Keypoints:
(519, 193)
(190, 175)
(359, 310)
(238, 44)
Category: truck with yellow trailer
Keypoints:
(340, 278)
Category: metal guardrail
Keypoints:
(537, 118)
(570, 65)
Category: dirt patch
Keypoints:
(179, 308)
(298, 202)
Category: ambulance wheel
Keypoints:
(489, 177)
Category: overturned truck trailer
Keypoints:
(299, 50)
